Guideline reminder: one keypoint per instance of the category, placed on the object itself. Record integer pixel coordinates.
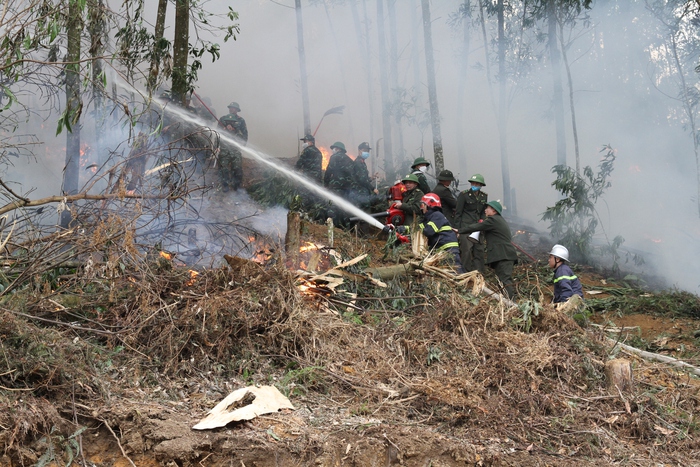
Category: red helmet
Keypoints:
(431, 200)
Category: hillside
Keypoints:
(415, 371)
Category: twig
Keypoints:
(118, 443)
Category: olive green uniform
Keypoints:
(448, 201)
(230, 158)
(469, 209)
(500, 252)
(422, 181)
(410, 204)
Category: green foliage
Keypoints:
(57, 444)
(528, 309)
(434, 354)
(300, 381)
(573, 220)
(676, 303)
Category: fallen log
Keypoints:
(657, 357)
(390, 272)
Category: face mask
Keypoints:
(364, 155)
(335, 150)
(423, 168)
(305, 145)
(476, 188)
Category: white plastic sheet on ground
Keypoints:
(265, 399)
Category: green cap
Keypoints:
(496, 205)
(477, 178)
(420, 161)
(446, 175)
(234, 105)
(410, 178)
(338, 145)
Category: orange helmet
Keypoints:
(431, 200)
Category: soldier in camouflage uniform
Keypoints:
(410, 204)
(419, 168)
(310, 164)
(338, 179)
(470, 208)
(230, 158)
(310, 161)
(362, 189)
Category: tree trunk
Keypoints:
(292, 241)
(618, 375)
(97, 46)
(302, 69)
(557, 90)
(571, 98)
(394, 77)
(71, 171)
(181, 51)
(386, 99)
(341, 68)
(432, 87)
(152, 81)
(502, 106)
(688, 108)
(368, 76)
(462, 85)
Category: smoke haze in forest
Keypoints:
(622, 98)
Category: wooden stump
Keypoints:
(292, 239)
(618, 374)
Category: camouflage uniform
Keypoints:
(362, 188)
(470, 208)
(310, 164)
(338, 179)
(230, 158)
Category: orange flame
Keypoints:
(165, 255)
(308, 247)
(193, 277)
(326, 156)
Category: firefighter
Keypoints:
(338, 179)
(419, 169)
(362, 189)
(566, 284)
(310, 161)
(470, 208)
(447, 199)
(410, 204)
(230, 158)
(437, 229)
(500, 252)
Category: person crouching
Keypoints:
(566, 284)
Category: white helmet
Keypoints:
(560, 251)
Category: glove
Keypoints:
(388, 228)
(401, 229)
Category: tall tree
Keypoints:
(557, 88)
(74, 105)
(302, 69)
(394, 78)
(181, 50)
(389, 169)
(463, 17)
(160, 46)
(432, 87)
(502, 104)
